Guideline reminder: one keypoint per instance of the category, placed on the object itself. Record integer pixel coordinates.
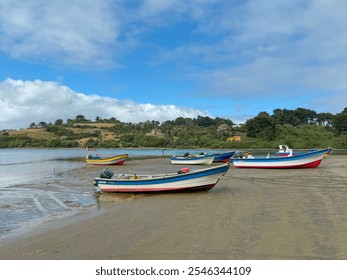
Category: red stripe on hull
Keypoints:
(156, 190)
(313, 164)
(116, 163)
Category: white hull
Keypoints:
(188, 184)
(308, 160)
(190, 161)
(203, 179)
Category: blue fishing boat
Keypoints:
(182, 181)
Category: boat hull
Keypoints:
(116, 160)
(224, 157)
(307, 160)
(204, 160)
(204, 179)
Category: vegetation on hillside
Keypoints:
(299, 128)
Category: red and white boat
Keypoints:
(306, 160)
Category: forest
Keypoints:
(299, 128)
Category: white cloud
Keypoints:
(265, 49)
(24, 102)
(66, 32)
(170, 10)
(85, 33)
(231, 49)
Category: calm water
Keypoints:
(36, 186)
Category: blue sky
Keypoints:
(159, 60)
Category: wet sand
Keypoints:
(251, 214)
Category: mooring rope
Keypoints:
(137, 161)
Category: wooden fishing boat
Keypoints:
(193, 159)
(115, 160)
(181, 181)
(97, 160)
(306, 160)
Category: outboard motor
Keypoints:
(106, 174)
(187, 154)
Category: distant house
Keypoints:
(234, 138)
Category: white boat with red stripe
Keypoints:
(305, 160)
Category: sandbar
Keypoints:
(251, 214)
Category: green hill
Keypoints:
(300, 128)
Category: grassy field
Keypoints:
(43, 134)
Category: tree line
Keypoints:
(299, 128)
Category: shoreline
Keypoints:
(250, 214)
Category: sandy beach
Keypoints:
(251, 214)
